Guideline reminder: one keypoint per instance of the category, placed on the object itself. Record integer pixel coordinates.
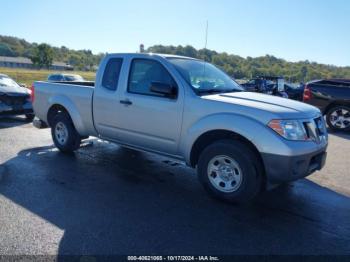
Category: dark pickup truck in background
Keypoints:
(275, 85)
(332, 97)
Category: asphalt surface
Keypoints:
(108, 200)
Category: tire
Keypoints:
(64, 135)
(243, 178)
(29, 117)
(338, 118)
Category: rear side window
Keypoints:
(111, 74)
(340, 82)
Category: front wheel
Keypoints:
(228, 170)
(64, 135)
(338, 118)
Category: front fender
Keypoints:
(73, 111)
(264, 139)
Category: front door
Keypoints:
(148, 119)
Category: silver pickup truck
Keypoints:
(186, 109)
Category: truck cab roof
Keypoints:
(147, 55)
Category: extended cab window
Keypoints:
(143, 72)
(111, 74)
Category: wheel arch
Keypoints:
(212, 136)
(53, 111)
(335, 104)
(64, 104)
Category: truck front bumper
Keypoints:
(280, 169)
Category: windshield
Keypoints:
(204, 77)
(6, 81)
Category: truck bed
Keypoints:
(77, 96)
(82, 83)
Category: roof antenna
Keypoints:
(206, 36)
(205, 48)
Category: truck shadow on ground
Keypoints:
(341, 134)
(9, 122)
(110, 200)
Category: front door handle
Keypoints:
(126, 102)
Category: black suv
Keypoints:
(332, 97)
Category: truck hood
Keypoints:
(282, 108)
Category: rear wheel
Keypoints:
(228, 170)
(338, 118)
(64, 135)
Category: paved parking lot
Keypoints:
(108, 200)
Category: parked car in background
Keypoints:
(294, 91)
(332, 97)
(271, 85)
(65, 78)
(14, 98)
(240, 142)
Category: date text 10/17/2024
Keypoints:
(173, 258)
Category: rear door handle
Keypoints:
(126, 102)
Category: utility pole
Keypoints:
(142, 48)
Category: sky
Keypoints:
(314, 30)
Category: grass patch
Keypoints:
(28, 76)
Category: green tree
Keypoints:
(241, 68)
(303, 72)
(190, 51)
(5, 50)
(42, 56)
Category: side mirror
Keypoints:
(165, 89)
(22, 85)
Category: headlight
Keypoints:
(289, 129)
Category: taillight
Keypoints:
(307, 94)
(32, 95)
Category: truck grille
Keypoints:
(316, 129)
